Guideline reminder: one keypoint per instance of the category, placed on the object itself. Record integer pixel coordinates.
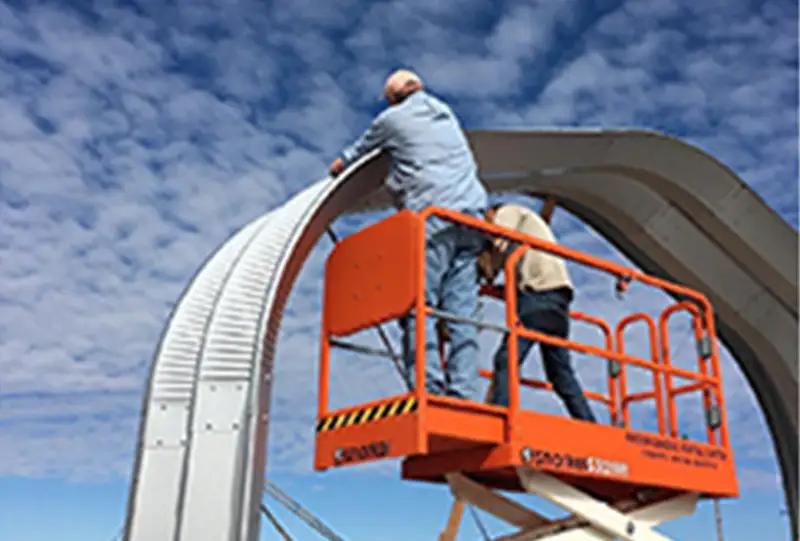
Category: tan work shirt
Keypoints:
(538, 270)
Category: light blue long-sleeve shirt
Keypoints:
(431, 161)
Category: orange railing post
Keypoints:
(611, 400)
(654, 357)
(699, 335)
(324, 368)
(717, 372)
(666, 359)
(513, 324)
(421, 313)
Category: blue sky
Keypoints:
(137, 136)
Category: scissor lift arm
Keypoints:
(591, 520)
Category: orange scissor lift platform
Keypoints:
(378, 275)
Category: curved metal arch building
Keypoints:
(675, 211)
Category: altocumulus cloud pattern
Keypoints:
(137, 136)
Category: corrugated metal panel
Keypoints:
(164, 439)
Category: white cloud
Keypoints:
(134, 145)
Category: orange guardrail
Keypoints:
(705, 387)
(660, 365)
(370, 286)
(656, 393)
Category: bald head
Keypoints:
(400, 85)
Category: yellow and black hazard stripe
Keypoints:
(363, 416)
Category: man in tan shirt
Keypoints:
(545, 293)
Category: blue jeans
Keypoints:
(451, 253)
(546, 312)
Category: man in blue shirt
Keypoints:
(432, 164)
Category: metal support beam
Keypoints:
(604, 522)
(299, 511)
(567, 524)
(275, 524)
(467, 490)
(718, 520)
(591, 520)
(479, 524)
(450, 531)
(359, 348)
(479, 323)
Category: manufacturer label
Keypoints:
(584, 464)
(369, 451)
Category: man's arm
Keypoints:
(547, 209)
(489, 262)
(510, 218)
(374, 137)
(494, 254)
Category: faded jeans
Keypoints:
(451, 253)
(546, 312)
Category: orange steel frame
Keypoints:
(444, 434)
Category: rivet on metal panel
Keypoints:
(209, 426)
(159, 442)
(235, 426)
(213, 387)
(630, 528)
(239, 386)
(163, 407)
(526, 454)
